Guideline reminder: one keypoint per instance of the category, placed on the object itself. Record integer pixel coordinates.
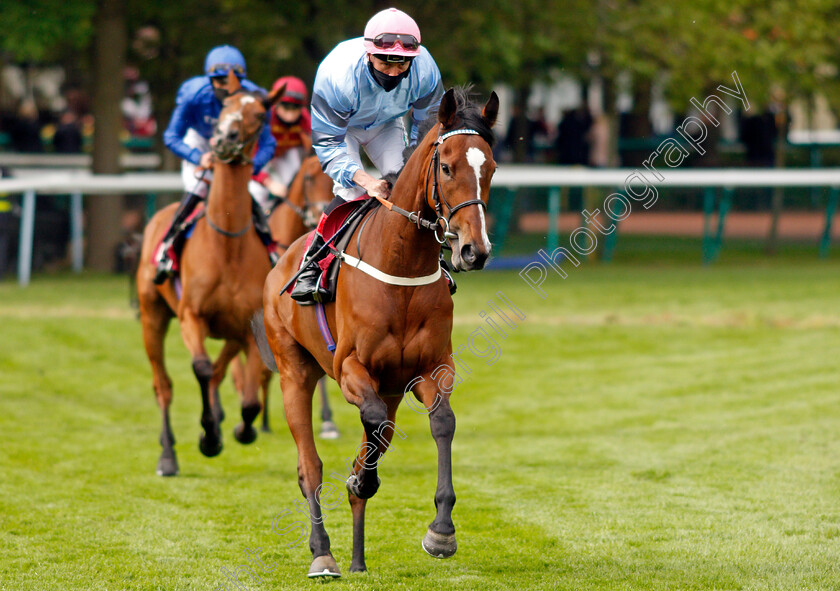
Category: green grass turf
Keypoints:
(647, 426)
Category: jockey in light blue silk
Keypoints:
(362, 90)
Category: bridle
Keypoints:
(439, 200)
(236, 151)
(437, 195)
(237, 154)
(305, 213)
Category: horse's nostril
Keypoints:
(468, 254)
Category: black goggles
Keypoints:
(389, 40)
(393, 59)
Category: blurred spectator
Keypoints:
(136, 106)
(524, 136)
(573, 137)
(25, 130)
(599, 142)
(68, 134)
(758, 134)
(541, 135)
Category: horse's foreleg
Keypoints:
(329, 430)
(251, 407)
(265, 380)
(155, 320)
(193, 332)
(229, 353)
(297, 402)
(359, 388)
(439, 540)
(382, 438)
(298, 375)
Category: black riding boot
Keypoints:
(264, 232)
(447, 272)
(308, 288)
(172, 242)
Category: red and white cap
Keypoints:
(392, 32)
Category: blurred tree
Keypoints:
(693, 47)
(105, 211)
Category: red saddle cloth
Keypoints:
(335, 220)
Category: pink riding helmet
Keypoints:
(392, 32)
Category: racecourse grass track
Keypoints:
(651, 424)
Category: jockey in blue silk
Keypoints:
(362, 90)
(197, 107)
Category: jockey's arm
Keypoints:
(265, 149)
(173, 137)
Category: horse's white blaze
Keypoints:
(246, 99)
(227, 121)
(476, 158)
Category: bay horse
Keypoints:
(389, 338)
(309, 193)
(223, 268)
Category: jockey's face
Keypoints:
(389, 68)
(220, 87)
(288, 112)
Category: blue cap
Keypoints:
(223, 59)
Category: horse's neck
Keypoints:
(229, 203)
(290, 225)
(400, 247)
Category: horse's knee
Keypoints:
(442, 422)
(203, 368)
(305, 475)
(373, 413)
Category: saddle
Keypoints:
(338, 222)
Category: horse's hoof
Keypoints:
(245, 434)
(324, 566)
(329, 430)
(439, 545)
(209, 447)
(167, 466)
(266, 429)
(363, 493)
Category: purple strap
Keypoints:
(324, 327)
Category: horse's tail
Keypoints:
(258, 328)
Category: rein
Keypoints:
(236, 234)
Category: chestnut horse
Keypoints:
(309, 193)
(223, 268)
(390, 337)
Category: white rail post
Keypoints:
(76, 235)
(27, 228)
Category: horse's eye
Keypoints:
(445, 169)
(261, 116)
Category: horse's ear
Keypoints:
(273, 97)
(233, 84)
(491, 109)
(448, 109)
